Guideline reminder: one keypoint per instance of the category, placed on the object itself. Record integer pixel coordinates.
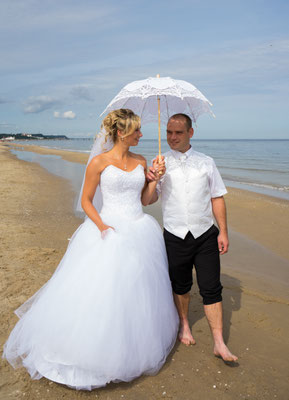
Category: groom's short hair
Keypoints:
(188, 120)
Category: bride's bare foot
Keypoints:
(221, 350)
(185, 334)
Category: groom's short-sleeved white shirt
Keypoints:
(186, 189)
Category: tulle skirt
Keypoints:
(106, 315)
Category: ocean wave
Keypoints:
(226, 168)
(62, 148)
(262, 185)
(73, 150)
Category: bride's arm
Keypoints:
(92, 178)
(149, 194)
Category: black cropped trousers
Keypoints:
(203, 253)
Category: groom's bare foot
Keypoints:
(185, 334)
(221, 350)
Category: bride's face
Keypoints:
(133, 139)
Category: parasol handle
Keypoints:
(159, 118)
(159, 114)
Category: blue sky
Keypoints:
(62, 61)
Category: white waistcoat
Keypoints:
(186, 189)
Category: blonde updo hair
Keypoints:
(123, 120)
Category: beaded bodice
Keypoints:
(121, 191)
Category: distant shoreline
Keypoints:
(30, 136)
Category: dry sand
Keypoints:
(36, 221)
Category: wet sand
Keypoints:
(37, 219)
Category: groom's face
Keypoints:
(178, 135)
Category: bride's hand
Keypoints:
(152, 175)
(105, 229)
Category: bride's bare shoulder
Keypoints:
(139, 158)
(98, 163)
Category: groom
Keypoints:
(191, 194)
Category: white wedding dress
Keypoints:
(107, 313)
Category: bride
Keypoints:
(107, 313)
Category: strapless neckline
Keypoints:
(127, 172)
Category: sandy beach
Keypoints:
(36, 220)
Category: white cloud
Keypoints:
(69, 115)
(37, 104)
(65, 115)
(33, 14)
(81, 92)
(238, 67)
